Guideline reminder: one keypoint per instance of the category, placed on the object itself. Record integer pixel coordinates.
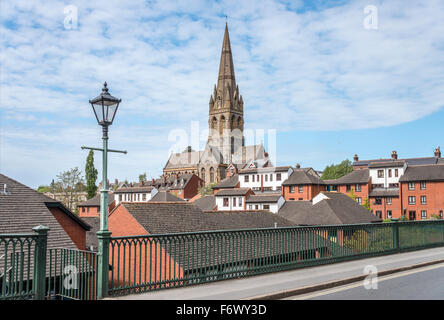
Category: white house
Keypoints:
(232, 199)
(134, 194)
(386, 174)
(271, 201)
(266, 179)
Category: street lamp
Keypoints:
(105, 108)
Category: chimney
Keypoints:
(356, 158)
(298, 165)
(438, 152)
(394, 155)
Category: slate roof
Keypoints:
(337, 209)
(134, 189)
(361, 176)
(302, 177)
(265, 169)
(206, 203)
(423, 173)
(230, 182)
(232, 192)
(165, 196)
(95, 201)
(263, 198)
(409, 161)
(183, 160)
(386, 164)
(384, 192)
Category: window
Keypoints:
(278, 177)
(396, 173)
(423, 200)
(379, 214)
(266, 207)
(389, 214)
(87, 209)
(440, 214)
(246, 178)
(378, 201)
(279, 188)
(240, 202)
(225, 202)
(211, 175)
(358, 188)
(300, 199)
(271, 177)
(256, 207)
(291, 198)
(234, 202)
(389, 200)
(423, 185)
(144, 197)
(380, 173)
(120, 198)
(348, 188)
(266, 178)
(412, 200)
(423, 214)
(300, 189)
(250, 207)
(412, 215)
(258, 179)
(252, 178)
(390, 173)
(291, 189)
(411, 186)
(359, 200)
(83, 209)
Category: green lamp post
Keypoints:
(105, 108)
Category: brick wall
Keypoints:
(434, 193)
(308, 192)
(71, 227)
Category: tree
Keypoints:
(336, 171)
(352, 194)
(142, 177)
(44, 189)
(91, 176)
(206, 190)
(367, 204)
(70, 184)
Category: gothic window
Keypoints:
(214, 123)
(202, 174)
(211, 175)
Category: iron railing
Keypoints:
(150, 262)
(16, 266)
(71, 274)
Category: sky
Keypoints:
(328, 79)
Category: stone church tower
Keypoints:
(226, 112)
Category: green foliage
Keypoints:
(371, 240)
(387, 220)
(336, 171)
(404, 218)
(142, 177)
(91, 176)
(366, 204)
(69, 184)
(44, 189)
(206, 190)
(434, 216)
(352, 194)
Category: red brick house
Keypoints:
(302, 184)
(91, 207)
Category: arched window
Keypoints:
(211, 175)
(239, 122)
(214, 123)
(202, 174)
(221, 125)
(233, 122)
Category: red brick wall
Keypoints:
(395, 207)
(71, 227)
(89, 211)
(308, 192)
(434, 193)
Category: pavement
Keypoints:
(286, 284)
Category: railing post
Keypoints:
(396, 234)
(104, 237)
(39, 282)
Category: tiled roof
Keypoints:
(23, 208)
(165, 196)
(265, 169)
(423, 173)
(263, 198)
(134, 189)
(230, 182)
(95, 201)
(355, 177)
(384, 192)
(183, 160)
(386, 164)
(302, 177)
(337, 209)
(232, 192)
(206, 203)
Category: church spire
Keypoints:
(226, 67)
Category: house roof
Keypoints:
(265, 170)
(361, 176)
(409, 161)
(337, 208)
(302, 177)
(134, 189)
(384, 192)
(229, 182)
(232, 192)
(183, 160)
(386, 164)
(165, 196)
(264, 198)
(23, 208)
(206, 203)
(252, 219)
(95, 201)
(423, 173)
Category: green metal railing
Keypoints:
(150, 262)
(16, 266)
(71, 274)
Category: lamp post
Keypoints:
(105, 108)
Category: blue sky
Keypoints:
(330, 87)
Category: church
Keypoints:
(225, 151)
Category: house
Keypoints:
(22, 208)
(302, 184)
(230, 182)
(91, 207)
(264, 179)
(142, 193)
(265, 201)
(327, 208)
(184, 185)
(232, 199)
(422, 189)
(357, 181)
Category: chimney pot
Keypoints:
(438, 152)
(394, 155)
(298, 165)
(356, 158)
